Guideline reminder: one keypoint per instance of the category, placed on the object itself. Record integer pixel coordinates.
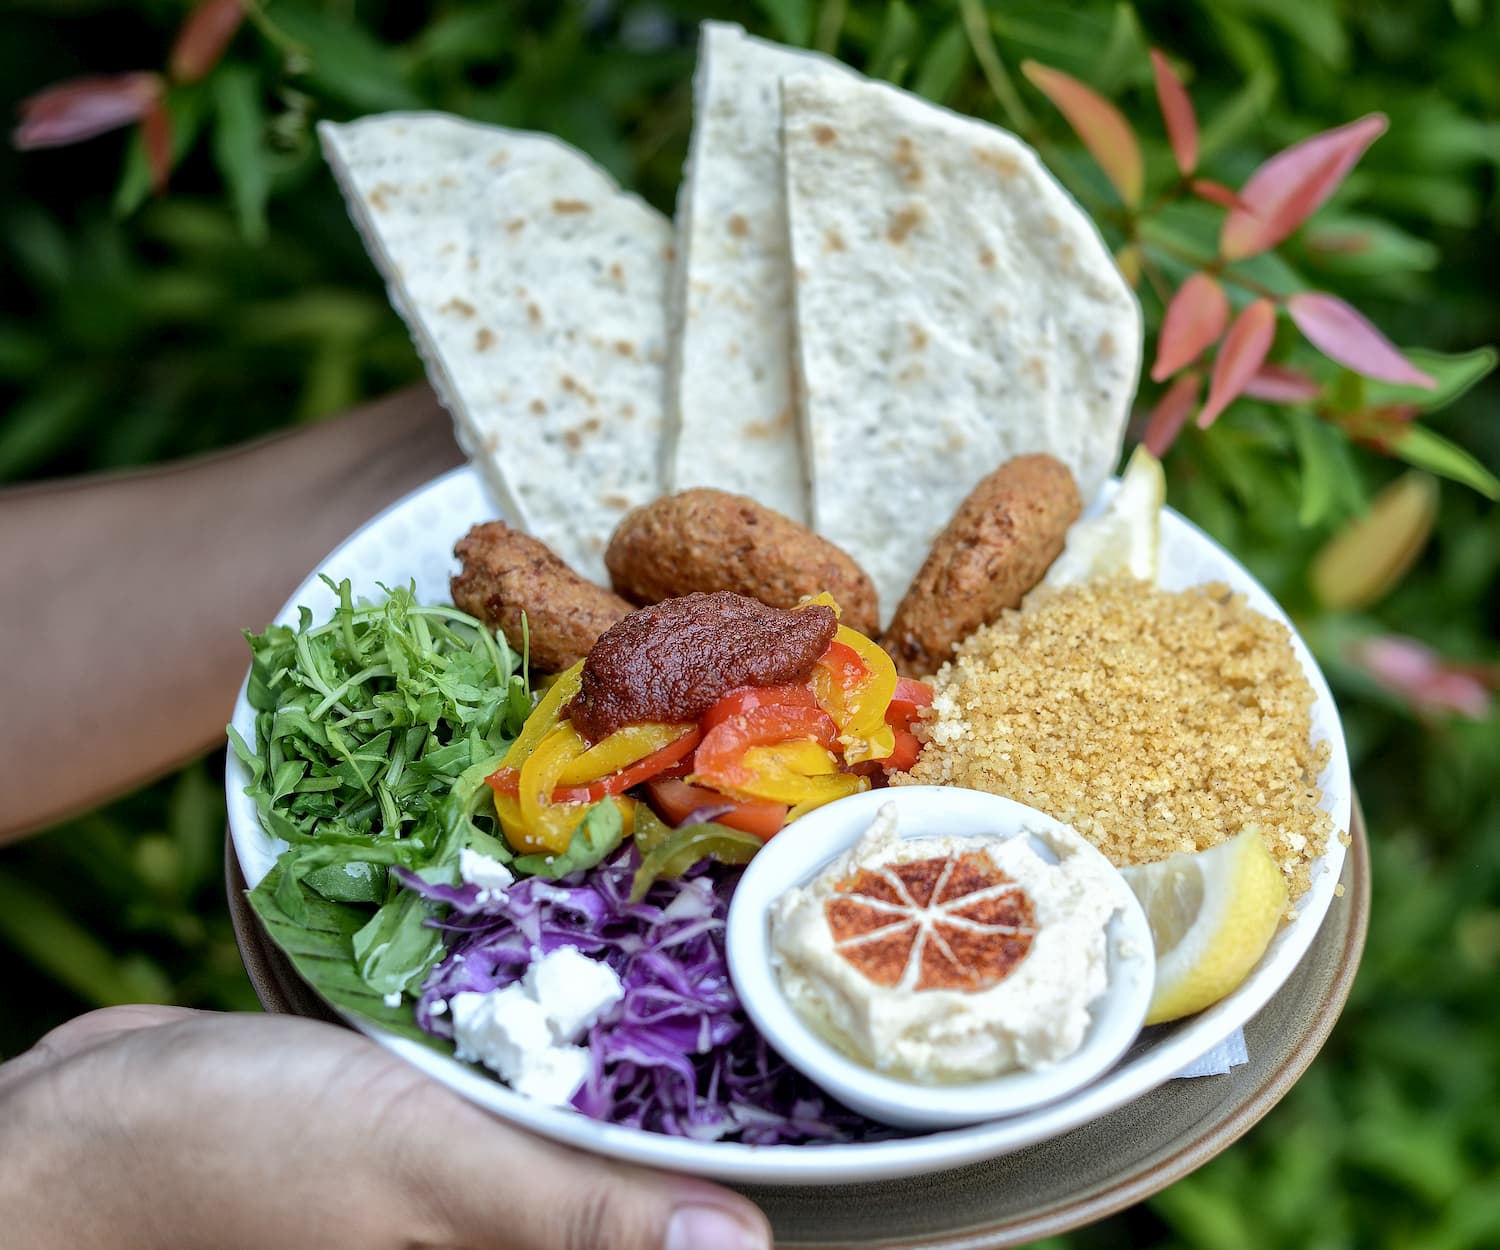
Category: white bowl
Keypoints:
(799, 855)
(412, 541)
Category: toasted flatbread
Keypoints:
(536, 293)
(954, 308)
(731, 404)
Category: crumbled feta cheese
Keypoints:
(507, 1031)
(503, 1029)
(572, 990)
(439, 1008)
(393, 999)
(483, 871)
(554, 1075)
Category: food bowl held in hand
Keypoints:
(769, 976)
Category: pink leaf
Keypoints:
(1342, 334)
(1101, 126)
(1276, 384)
(1177, 112)
(81, 108)
(1422, 677)
(156, 137)
(1218, 193)
(1286, 190)
(1196, 317)
(1243, 352)
(202, 38)
(1171, 413)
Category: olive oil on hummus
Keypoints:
(948, 959)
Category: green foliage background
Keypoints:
(135, 329)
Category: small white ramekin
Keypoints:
(804, 849)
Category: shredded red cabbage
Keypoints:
(677, 1054)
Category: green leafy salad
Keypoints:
(374, 733)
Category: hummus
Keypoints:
(948, 959)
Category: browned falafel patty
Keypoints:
(709, 540)
(999, 544)
(507, 573)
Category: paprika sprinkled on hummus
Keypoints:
(949, 959)
(949, 923)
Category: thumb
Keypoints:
(563, 1199)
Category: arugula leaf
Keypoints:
(598, 834)
(365, 722)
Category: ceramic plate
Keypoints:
(413, 540)
(1043, 1190)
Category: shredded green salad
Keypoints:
(374, 732)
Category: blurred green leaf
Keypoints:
(1124, 57)
(195, 821)
(39, 928)
(1317, 27)
(793, 19)
(185, 106)
(22, 352)
(1327, 475)
(1455, 372)
(1418, 445)
(894, 50)
(1361, 245)
(1206, 1218)
(346, 61)
(946, 60)
(239, 149)
(49, 419)
(1238, 115)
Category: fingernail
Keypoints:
(711, 1228)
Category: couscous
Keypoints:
(1152, 721)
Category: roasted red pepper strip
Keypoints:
(738, 702)
(675, 801)
(721, 754)
(507, 780)
(910, 698)
(905, 752)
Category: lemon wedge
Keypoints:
(1123, 539)
(1212, 915)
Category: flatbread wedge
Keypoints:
(954, 308)
(731, 412)
(535, 290)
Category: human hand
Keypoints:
(143, 1127)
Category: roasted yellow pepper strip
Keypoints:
(560, 746)
(544, 715)
(556, 824)
(619, 750)
(847, 783)
(867, 704)
(790, 772)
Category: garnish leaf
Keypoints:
(319, 943)
(396, 947)
(599, 833)
(355, 882)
